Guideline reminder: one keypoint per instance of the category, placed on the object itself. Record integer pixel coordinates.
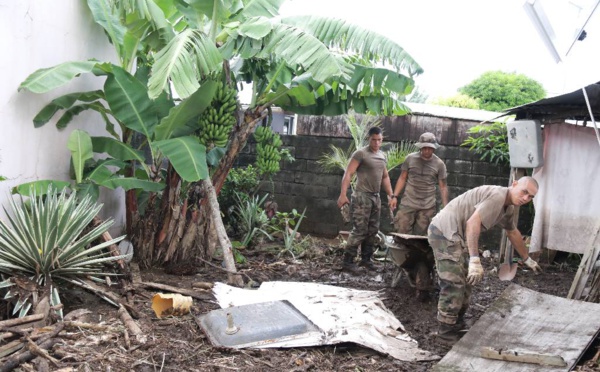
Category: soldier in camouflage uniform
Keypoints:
(454, 234)
(422, 171)
(369, 164)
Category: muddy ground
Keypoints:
(177, 344)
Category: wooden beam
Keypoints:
(522, 357)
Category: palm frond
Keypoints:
(344, 36)
(397, 153)
(337, 160)
(187, 58)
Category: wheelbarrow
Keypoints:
(413, 257)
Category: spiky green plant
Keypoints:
(340, 158)
(48, 240)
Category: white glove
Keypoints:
(533, 265)
(475, 274)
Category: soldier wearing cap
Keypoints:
(421, 172)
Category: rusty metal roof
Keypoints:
(569, 106)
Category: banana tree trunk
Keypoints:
(215, 213)
(177, 232)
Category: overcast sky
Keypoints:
(456, 41)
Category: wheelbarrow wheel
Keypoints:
(423, 278)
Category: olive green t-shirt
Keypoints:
(370, 170)
(423, 176)
(488, 201)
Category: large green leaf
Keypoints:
(191, 107)
(256, 28)
(47, 79)
(105, 14)
(80, 145)
(128, 183)
(117, 149)
(188, 58)
(129, 102)
(64, 102)
(341, 35)
(39, 187)
(262, 8)
(298, 49)
(216, 10)
(187, 155)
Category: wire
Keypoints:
(587, 101)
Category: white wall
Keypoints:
(36, 34)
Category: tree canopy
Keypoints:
(498, 90)
(457, 100)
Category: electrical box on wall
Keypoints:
(525, 143)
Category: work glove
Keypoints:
(475, 274)
(533, 265)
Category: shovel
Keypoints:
(508, 269)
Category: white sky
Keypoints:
(455, 41)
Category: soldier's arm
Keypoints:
(473, 232)
(350, 170)
(516, 239)
(400, 183)
(444, 191)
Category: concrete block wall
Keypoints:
(303, 183)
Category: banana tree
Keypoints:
(309, 65)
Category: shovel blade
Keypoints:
(507, 271)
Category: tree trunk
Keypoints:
(175, 228)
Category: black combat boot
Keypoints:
(365, 257)
(348, 263)
(367, 263)
(449, 334)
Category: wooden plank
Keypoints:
(522, 319)
(523, 357)
(586, 268)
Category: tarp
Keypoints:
(567, 206)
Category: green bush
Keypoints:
(490, 142)
(241, 181)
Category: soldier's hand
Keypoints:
(533, 265)
(475, 274)
(392, 203)
(342, 200)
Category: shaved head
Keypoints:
(523, 181)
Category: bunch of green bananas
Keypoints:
(218, 118)
(268, 151)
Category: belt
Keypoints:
(368, 193)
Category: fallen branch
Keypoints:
(187, 292)
(25, 356)
(94, 327)
(23, 320)
(10, 348)
(203, 285)
(131, 325)
(35, 349)
(225, 270)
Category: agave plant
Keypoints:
(340, 158)
(49, 240)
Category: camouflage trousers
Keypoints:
(452, 264)
(365, 209)
(413, 221)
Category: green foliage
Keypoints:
(457, 100)
(498, 91)
(240, 183)
(287, 224)
(417, 96)
(490, 142)
(49, 239)
(339, 158)
(252, 219)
